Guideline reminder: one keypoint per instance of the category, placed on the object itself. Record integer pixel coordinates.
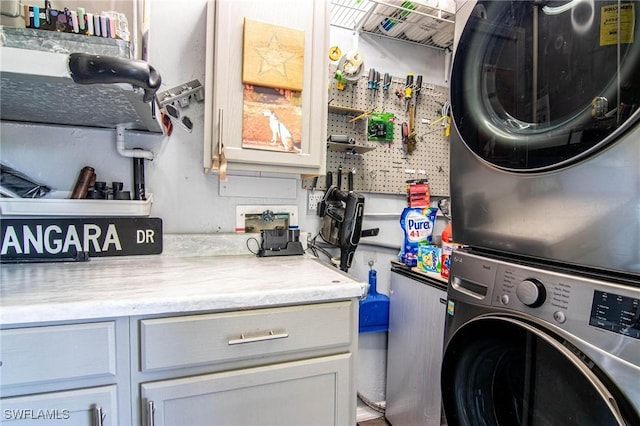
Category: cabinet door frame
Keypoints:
(223, 85)
(77, 407)
(160, 393)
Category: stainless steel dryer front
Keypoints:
(531, 346)
(545, 147)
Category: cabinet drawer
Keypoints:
(41, 354)
(210, 338)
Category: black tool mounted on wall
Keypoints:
(342, 214)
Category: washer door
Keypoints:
(503, 371)
(538, 85)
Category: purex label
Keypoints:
(418, 226)
(66, 237)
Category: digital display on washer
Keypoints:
(616, 313)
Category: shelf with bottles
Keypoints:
(425, 22)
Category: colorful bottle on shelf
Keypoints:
(448, 246)
(393, 24)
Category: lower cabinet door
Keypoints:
(310, 392)
(92, 407)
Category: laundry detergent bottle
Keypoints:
(447, 249)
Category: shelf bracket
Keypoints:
(182, 94)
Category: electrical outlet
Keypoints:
(314, 198)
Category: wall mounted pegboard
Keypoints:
(384, 167)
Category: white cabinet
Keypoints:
(274, 366)
(224, 87)
(75, 373)
(242, 335)
(309, 392)
(61, 352)
(91, 407)
(280, 366)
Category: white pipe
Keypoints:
(134, 31)
(131, 153)
(447, 65)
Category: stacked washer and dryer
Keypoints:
(543, 305)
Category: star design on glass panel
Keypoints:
(274, 56)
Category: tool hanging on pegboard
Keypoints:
(411, 137)
(411, 92)
(418, 87)
(386, 156)
(386, 82)
(349, 69)
(373, 85)
(408, 91)
(335, 53)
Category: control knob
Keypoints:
(531, 292)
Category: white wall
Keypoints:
(187, 200)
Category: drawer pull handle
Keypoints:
(150, 413)
(271, 336)
(98, 416)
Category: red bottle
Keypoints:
(447, 249)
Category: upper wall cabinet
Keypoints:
(259, 54)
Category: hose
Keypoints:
(380, 407)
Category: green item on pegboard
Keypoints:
(380, 126)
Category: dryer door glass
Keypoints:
(502, 372)
(540, 85)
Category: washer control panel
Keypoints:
(603, 313)
(567, 301)
(518, 287)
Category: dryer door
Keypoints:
(538, 85)
(503, 371)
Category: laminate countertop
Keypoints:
(145, 285)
